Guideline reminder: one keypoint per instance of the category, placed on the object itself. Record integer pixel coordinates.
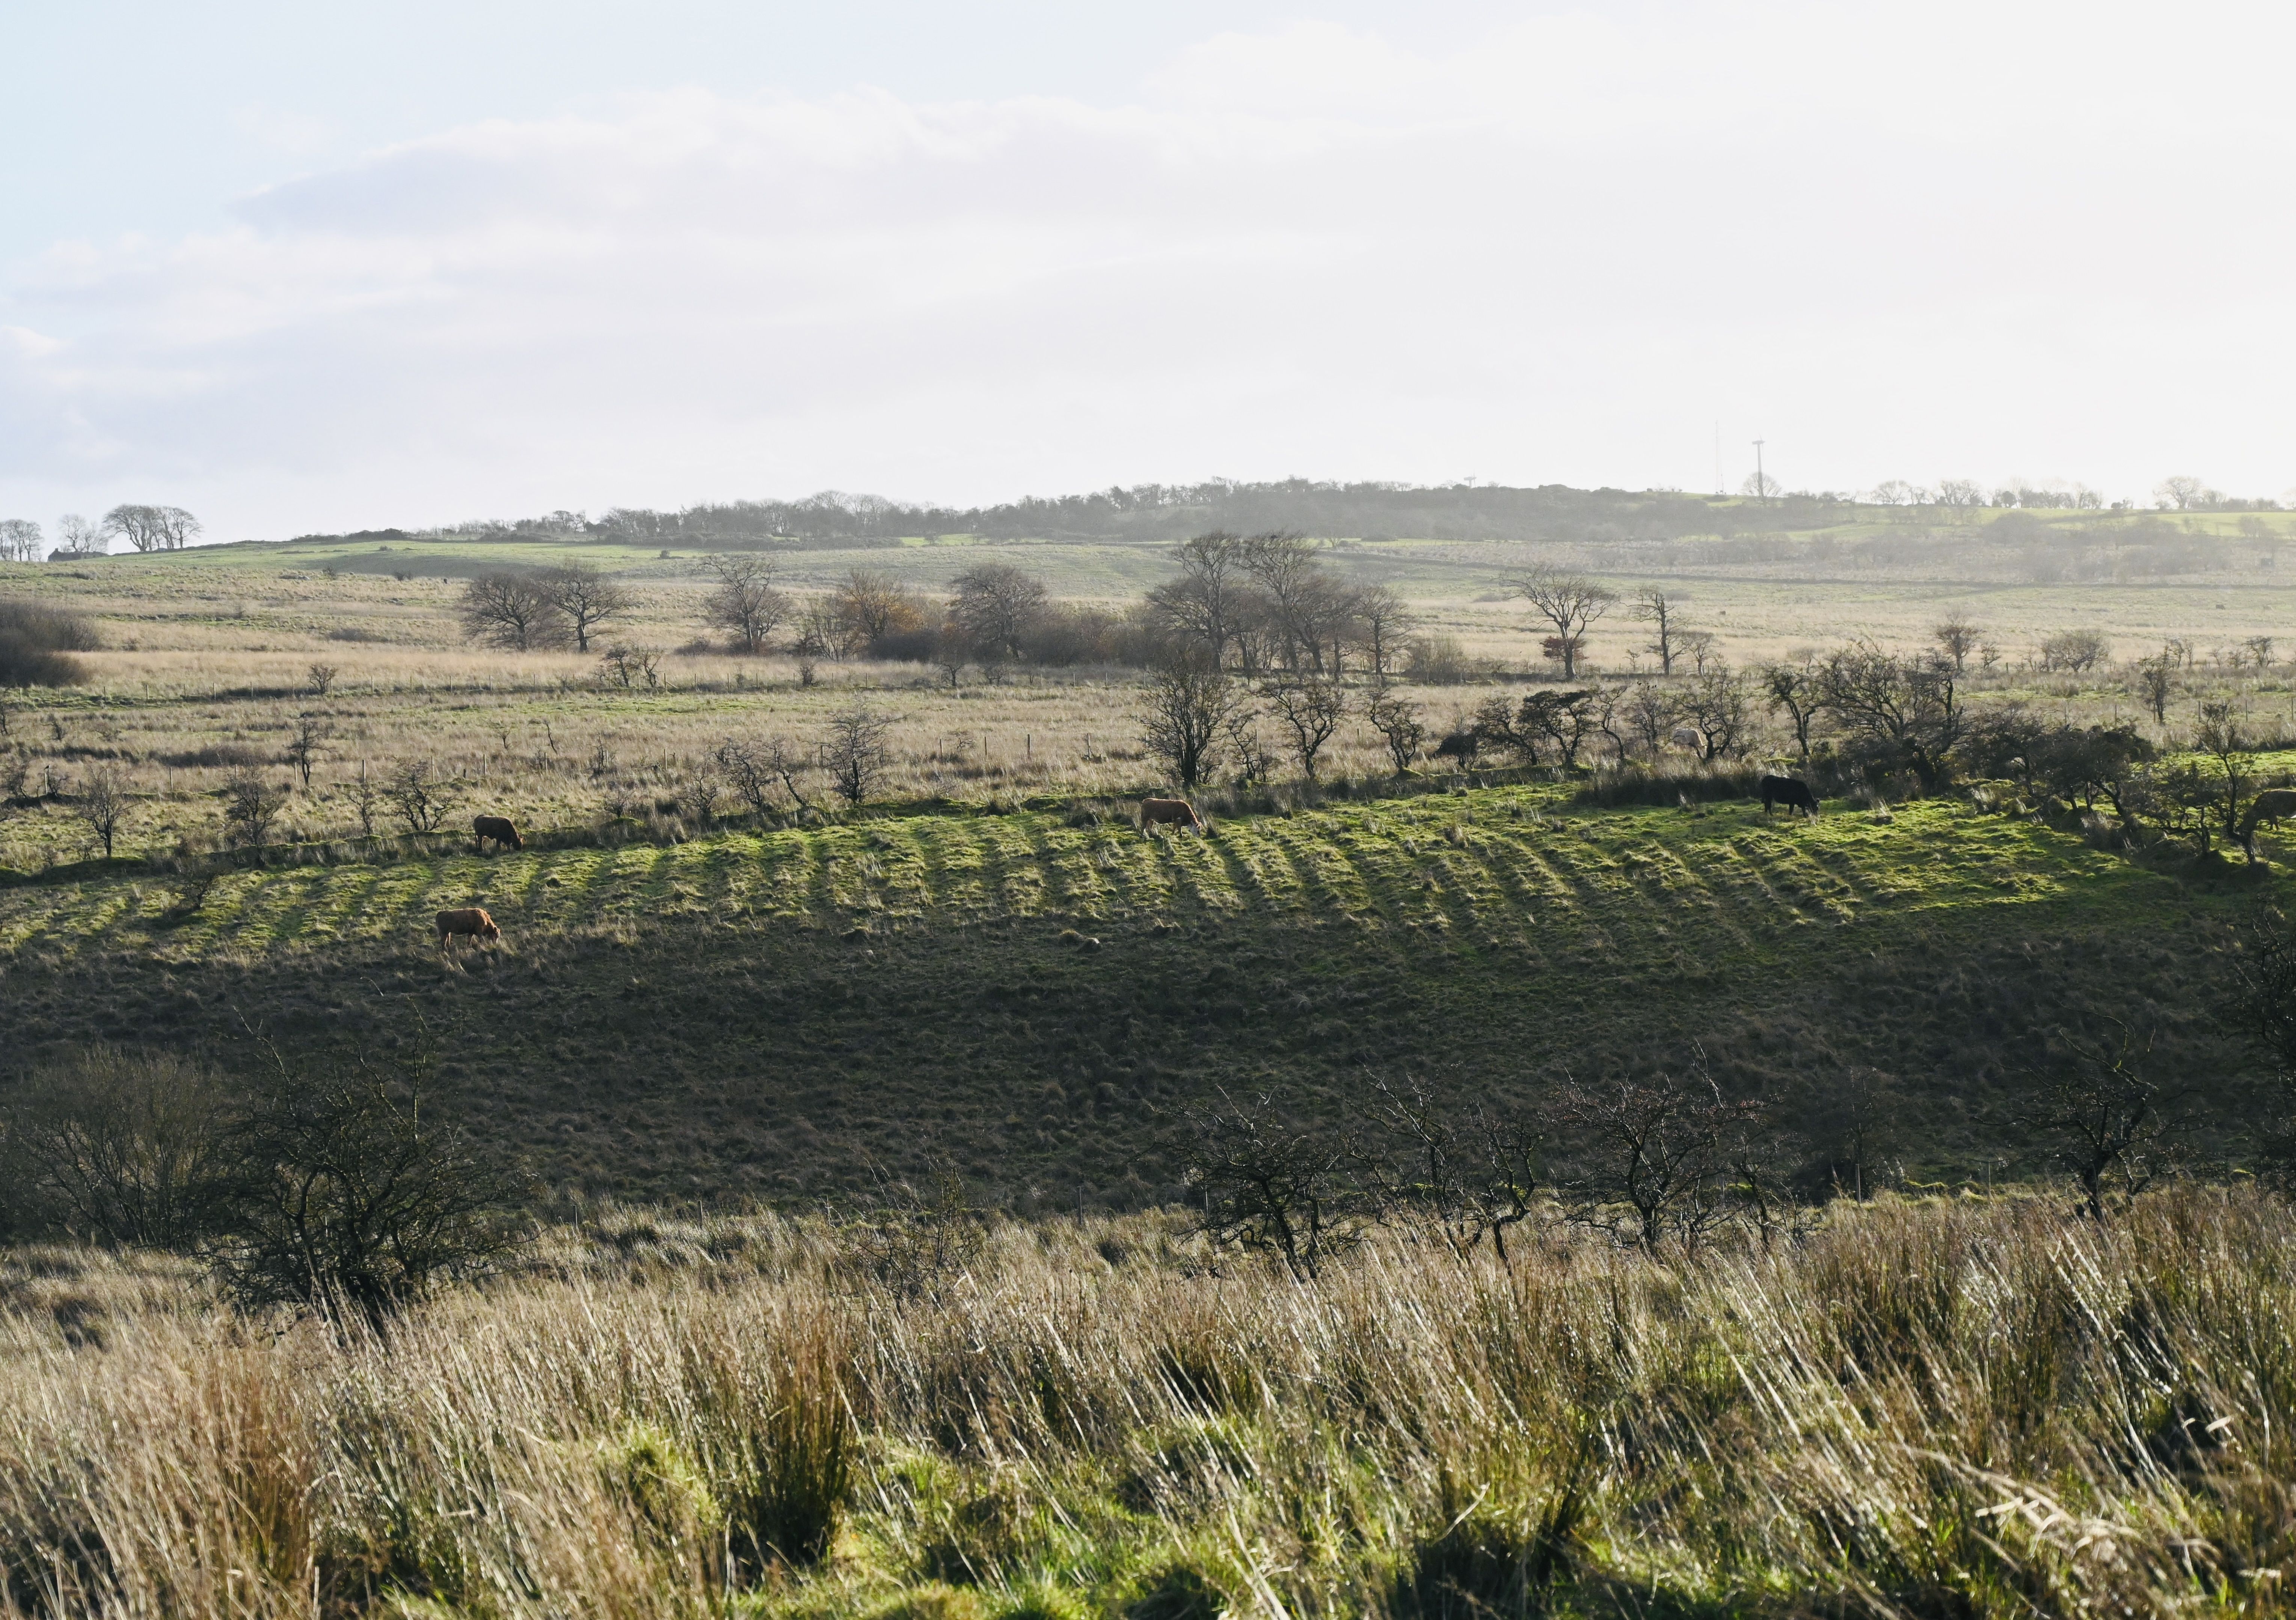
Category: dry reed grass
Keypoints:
(1943, 1409)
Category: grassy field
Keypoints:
(1027, 1000)
(988, 969)
(1979, 1408)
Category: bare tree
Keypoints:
(2182, 491)
(76, 534)
(1907, 707)
(996, 605)
(1570, 602)
(20, 540)
(420, 795)
(1797, 688)
(1311, 707)
(1654, 607)
(1648, 710)
(1567, 719)
(755, 769)
(103, 804)
(1468, 1179)
(952, 652)
(1717, 705)
(2103, 1120)
(627, 666)
(306, 742)
(512, 610)
(250, 804)
(868, 605)
(1208, 605)
(2155, 680)
(855, 755)
(746, 603)
(152, 528)
(1397, 720)
(354, 1195)
(124, 1148)
(1653, 1155)
(1383, 623)
(1271, 1188)
(1190, 701)
(320, 678)
(1957, 638)
(584, 598)
(366, 794)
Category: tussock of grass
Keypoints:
(1973, 1407)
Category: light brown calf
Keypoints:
(471, 921)
(1174, 812)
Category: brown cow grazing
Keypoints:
(1175, 812)
(2273, 805)
(498, 828)
(470, 919)
(1787, 791)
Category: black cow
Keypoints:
(498, 828)
(1787, 791)
(1461, 746)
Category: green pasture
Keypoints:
(1491, 868)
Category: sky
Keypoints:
(308, 268)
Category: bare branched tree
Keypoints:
(746, 604)
(1654, 1155)
(512, 610)
(1796, 688)
(1397, 720)
(103, 804)
(355, 1195)
(755, 770)
(420, 794)
(250, 804)
(122, 1147)
(152, 528)
(1569, 601)
(1957, 637)
(1654, 607)
(1269, 1187)
(1311, 707)
(854, 754)
(584, 598)
(308, 741)
(996, 605)
(1383, 623)
(1191, 702)
(2103, 1122)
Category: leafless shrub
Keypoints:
(250, 804)
(420, 794)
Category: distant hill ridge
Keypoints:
(1150, 513)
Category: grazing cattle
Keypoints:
(1461, 746)
(470, 921)
(1688, 737)
(1787, 791)
(498, 828)
(2272, 805)
(1176, 812)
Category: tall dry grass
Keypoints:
(1946, 1409)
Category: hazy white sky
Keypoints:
(303, 267)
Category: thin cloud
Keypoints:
(1896, 246)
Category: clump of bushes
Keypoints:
(37, 643)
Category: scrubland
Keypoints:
(1967, 1407)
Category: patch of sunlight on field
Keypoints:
(1495, 866)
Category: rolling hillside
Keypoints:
(1026, 1001)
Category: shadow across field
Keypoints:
(778, 1015)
